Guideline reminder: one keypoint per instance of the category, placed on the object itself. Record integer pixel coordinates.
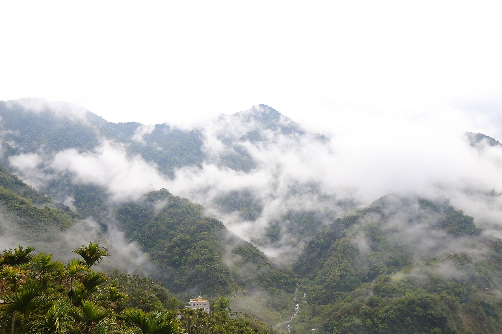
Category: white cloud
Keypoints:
(371, 154)
(25, 161)
(28, 166)
(109, 166)
(142, 131)
(38, 105)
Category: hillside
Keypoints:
(42, 295)
(295, 228)
(90, 164)
(185, 250)
(403, 265)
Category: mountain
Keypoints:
(156, 234)
(28, 214)
(65, 151)
(255, 207)
(51, 128)
(477, 139)
(402, 265)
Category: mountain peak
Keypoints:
(477, 140)
(261, 113)
(265, 109)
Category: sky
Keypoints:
(321, 63)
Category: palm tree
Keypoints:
(155, 322)
(19, 256)
(89, 315)
(75, 267)
(46, 269)
(92, 253)
(55, 321)
(26, 300)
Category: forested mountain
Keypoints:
(403, 265)
(43, 295)
(90, 164)
(255, 208)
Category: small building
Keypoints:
(199, 303)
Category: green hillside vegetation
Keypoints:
(171, 148)
(32, 216)
(41, 295)
(402, 265)
(32, 130)
(33, 213)
(13, 183)
(192, 253)
(29, 131)
(390, 287)
(196, 253)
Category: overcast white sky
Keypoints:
(180, 61)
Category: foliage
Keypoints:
(40, 295)
(33, 217)
(13, 183)
(188, 247)
(360, 278)
(144, 293)
(92, 253)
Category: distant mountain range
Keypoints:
(239, 208)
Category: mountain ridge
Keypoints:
(404, 263)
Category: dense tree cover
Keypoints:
(13, 183)
(167, 146)
(87, 199)
(41, 295)
(144, 293)
(360, 278)
(181, 240)
(195, 253)
(33, 217)
(237, 157)
(170, 148)
(357, 275)
(32, 130)
(243, 201)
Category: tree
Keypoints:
(222, 304)
(154, 322)
(20, 255)
(92, 253)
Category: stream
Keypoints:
(296, 309)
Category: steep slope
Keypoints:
(28, 215)
(195, 254)
(89, 164)
(41, 295)
(403, 265)
(190, 253)
(35, 126)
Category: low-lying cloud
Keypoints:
(59, 108)
(367, 155)
(124, 255)
(109, 166)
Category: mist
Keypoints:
(369, 155)
(358, 156)
(125, 256)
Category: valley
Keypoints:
(302, 231)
